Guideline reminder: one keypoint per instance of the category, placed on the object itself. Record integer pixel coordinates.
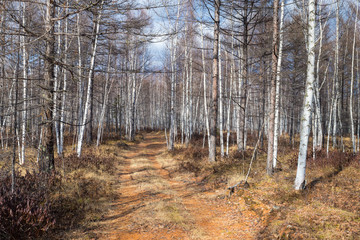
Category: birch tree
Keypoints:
(336, 76)
(63, 96)
(90, 76)
(271, 127)
(277, 90)
(173, 78)
(353, 140)
(25, 76)
(308, 98)
(107, 89)
(204, 82)
(318, 130)
(220, 104)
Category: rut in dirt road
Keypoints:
(156, 202)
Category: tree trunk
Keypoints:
(204, 82)
(15, 103)
(336, 76)
(271, 128)
(56, 89)
(92, 63)
(63, 98)
(232, 67)
(220, 104)
(173, 84)
(25, 75)
(353, 140)
(214, 100)
(105, 100)
(277, 91)
(46, 161)
(80, 71)
(307, 107)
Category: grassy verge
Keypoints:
(327, 209)
(64, 205)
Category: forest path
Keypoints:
(154, 203)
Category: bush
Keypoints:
(25, 213)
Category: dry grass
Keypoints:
(162, 214)
(328, 209)
(85, 190)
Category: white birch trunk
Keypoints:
(306, 114)
(92, 62)
(220, 104)
(25, 75)
(329, 128)
(318, 131)
(239, 139)
(183, 108)
(190, 95)
(204, 81)
(353, 140)
(229, 104)
(56, 83)
(336, 77)
(185, 112)
(80, 83)
(133, 97)
(277, 91)
(173, 130)
(63, 98)
(106, 96)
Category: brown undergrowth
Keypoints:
(328, 208)
(137, 190)
(58, 206)
(81, 197)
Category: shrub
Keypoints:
(24, 213)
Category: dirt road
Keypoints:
(157, 203)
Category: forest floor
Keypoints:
(180, 195)
(140, 190)
(156, 201)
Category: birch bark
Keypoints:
(277, 90)
(173, 130)
(105, 100)
(353, 140)
(336, 77)
(229, 104)
(307, 106)
(92, 62)
(25, 76)
(80, 83)
(220, 104)
(63, 97)
(204, 82)
(271, 132)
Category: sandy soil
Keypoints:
(156, 202)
